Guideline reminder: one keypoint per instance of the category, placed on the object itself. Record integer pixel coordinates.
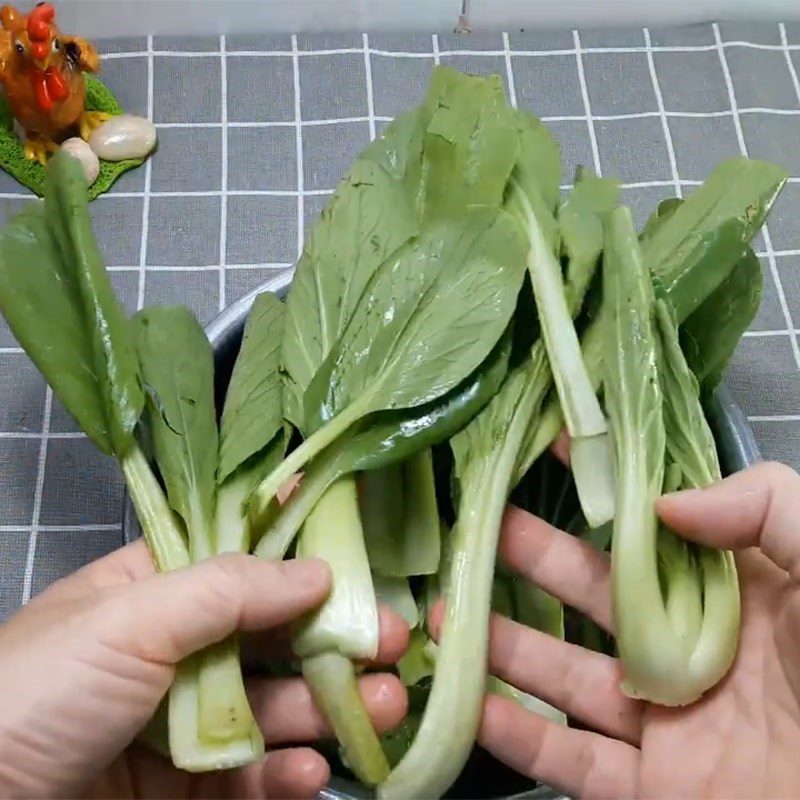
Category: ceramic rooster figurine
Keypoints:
(41, 71)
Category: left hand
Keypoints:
(84, 666)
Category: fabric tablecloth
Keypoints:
(255, 131)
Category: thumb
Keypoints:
(759, 507)
(169, 616)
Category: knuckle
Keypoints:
(778, 474)
(225, 581)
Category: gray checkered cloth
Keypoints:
(255, 131)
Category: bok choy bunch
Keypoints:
(396, 325)
(208, 476)
(676, 606)
(58, 301)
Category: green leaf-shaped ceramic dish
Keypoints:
(31, 174)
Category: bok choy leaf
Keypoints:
(252, 436)
(401, 519)
(211, 723)
(375, 211)
(691, 250)
(384, 438)
(711, 333)
(590, 450)
(58, 301)
(676, 607)
(437, 301)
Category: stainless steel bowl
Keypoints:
(735, 441)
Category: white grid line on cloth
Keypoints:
(512, 89)
(435, 51)
(761, 334)
(773, 267)
(368, 79)
(309, 123)
(49, 435)
(223, 204)
(298, 118)
(651, 65)
(61, 528)
(699, 48)
(774, 418)
(586, 105)
(324, 192)
(275, 265)
(27, 581)
(148, 174)
(318, 192)
(788, 56)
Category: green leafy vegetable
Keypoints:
(58, 301)
(251, 416)
(691, 249)
(375, 210)
(396, 594)
(447, 292)
(471, 143)
(590, 450)
(401, 519)
(711, 333)
(487, 462)
(676, 614)
(178, 369)
(384, 438)
(430, 317)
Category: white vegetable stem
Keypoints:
(348, 620)
(190, 752)
(162, 534)
(170, 552)
(590, 450)
(263, 503)
(452, 714)
(345, 627)
(669, 655)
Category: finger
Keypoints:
(167, 617)
(582, 683)
(560, 448)
(132, 562)
(579, 763)
(561, 564)
(285, 492)
(287, 714)
(393, 641)
(261, 648)
(759, 507)
(291, 773)
(283, 774)
(299, 773)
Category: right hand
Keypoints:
(741, 739)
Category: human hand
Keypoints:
(740, 740)
(84, 666)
